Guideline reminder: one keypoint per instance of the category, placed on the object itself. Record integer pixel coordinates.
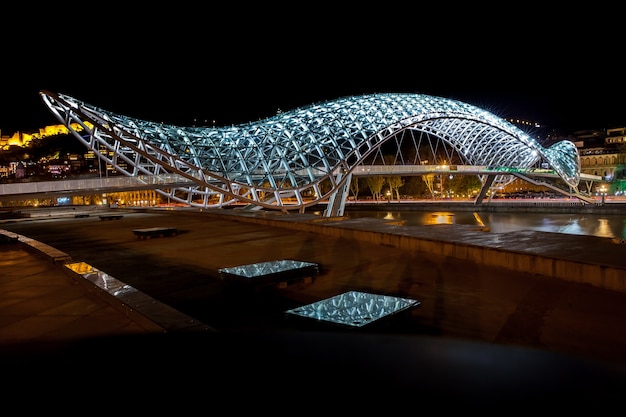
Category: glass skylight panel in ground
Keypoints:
(269, 272)
(265, 268)
(354, 308)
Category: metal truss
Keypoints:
(302, 157)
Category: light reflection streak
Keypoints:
(603, 229)
(440, 217)
(587, 224)
(478, 219)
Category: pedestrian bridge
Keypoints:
(46, 189)
(309, 155)
(59, 188)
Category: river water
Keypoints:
(602, 225)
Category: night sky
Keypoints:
(187, 66)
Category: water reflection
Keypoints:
(441, 218)
(479, 221)
(602, 225)
(389, 216)
(604, 229)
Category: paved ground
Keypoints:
(491, 330)
(39, 303)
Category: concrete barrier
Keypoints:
(611, 277)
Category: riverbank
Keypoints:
(498, 205)
(518, 206)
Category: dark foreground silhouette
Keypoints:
(313, 369)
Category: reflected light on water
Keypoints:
(389, 216)
(479, 221)
(441, 217)
(572, 227)
(605, 225)
(603, 229)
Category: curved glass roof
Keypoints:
(303, 155)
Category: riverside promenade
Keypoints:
(500, 317)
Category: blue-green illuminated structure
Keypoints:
(301, 157)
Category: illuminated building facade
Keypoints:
(23, 139)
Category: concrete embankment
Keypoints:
(514, 206)
(583, 259)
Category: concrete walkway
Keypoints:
(496, 321)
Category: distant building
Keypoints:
(22, 139)
(603, 153)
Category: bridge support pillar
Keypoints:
(337, 200)
(483, 190)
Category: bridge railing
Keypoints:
(110, 183)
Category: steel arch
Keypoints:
(301, 157)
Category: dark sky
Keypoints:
(182, 65)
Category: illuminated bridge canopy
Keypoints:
(300, 157)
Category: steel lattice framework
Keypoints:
(301, 157)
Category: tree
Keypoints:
(429, 179)
(354, 186)
(464, 184)
(395, 182)
(375, 184)
(414, 186)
